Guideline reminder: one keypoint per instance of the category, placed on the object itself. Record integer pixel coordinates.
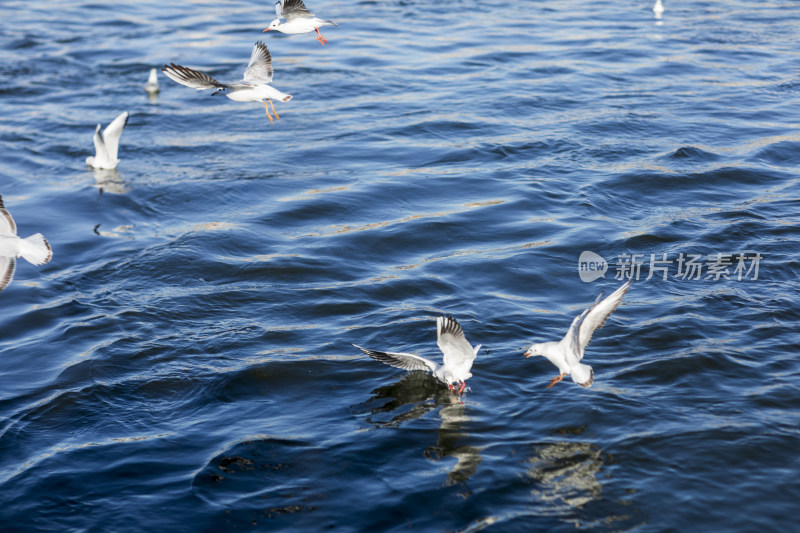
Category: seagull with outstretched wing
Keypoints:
(254, 86)
(458, 355)
(106, 144)
(567, 353)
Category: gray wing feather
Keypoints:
(259, 69)
(191, 78)
(453, 343)
(406, 361)
(7, 267)
(293, 9)
(597, 314)
(6, 220)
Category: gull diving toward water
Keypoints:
(567, 353)
(254, 86)
(106, 144)
(151, 86)
(34, 249)
(298, 19)
(457, 360)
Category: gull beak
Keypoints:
(265, 30)
(528, 354)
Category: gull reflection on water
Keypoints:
(566, 473)
(414, 396)
(110, 182)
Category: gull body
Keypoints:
(567, 353)
(34, 249)
(298, 19)
(458, 355)
(151, 86)
(106, 144)
(254, 86)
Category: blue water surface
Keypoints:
(185, 361)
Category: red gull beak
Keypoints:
(265, 30)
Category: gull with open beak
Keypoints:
(567, 353)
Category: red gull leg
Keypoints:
(555, 380)
(461, 389)
(322, 40)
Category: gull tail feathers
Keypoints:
(35, 249)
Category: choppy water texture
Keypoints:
(185, 363)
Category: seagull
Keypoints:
(151, 86)
(34, 249)
(298, 19)
(254, 86)
(106, 144)
(658, 9)
(567, 353)
(457, 360)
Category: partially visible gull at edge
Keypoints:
(298, 19)
(34, 249)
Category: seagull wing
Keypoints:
(292, 9)
(191, 78)
(453, 344)
(111, 136)
(7, 267)
(574, 350)
(278, 8)
(597, 314)
(259, 69)
(406, 361)
(7, 224)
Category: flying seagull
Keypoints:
(254, 86)
(567, 353)
(151, 86)
(298, 19)
(106, 144)
(457, 361)
(34, 249)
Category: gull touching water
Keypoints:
(151, 86)
(34, 249)
(456, 363)
(298, 19)
(254, 86)
(567, 353)
(106, 144)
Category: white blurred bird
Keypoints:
(106, 144)
(34, 249)
(298, 19)
(456, 362)
(252, 88)
(658, 9)
(151, 86)
(567, 353)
